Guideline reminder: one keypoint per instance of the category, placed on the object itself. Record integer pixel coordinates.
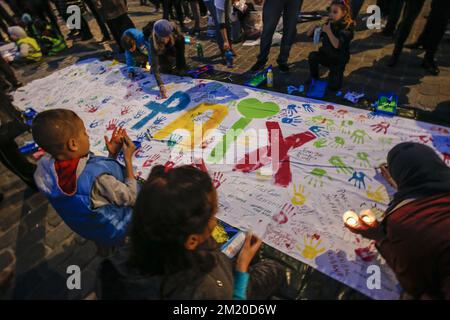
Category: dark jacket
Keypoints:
(117, 280)
(345, 35)
(161, 60)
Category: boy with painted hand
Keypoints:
(29, 49)
(93, 195)
(137, 50)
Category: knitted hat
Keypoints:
(162, 28)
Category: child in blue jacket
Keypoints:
(93, 195)
(137, 50)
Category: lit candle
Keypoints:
(367, 216)
(147, 67)
(351, 219)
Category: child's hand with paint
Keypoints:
(114, 144)
(128, 147)
(248, 252)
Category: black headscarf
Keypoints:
(418, 171)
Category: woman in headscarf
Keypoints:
(414, 236)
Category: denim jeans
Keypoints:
(272, 12)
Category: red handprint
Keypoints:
(328, 107)
(423, 138)
(440, 130)
(112, 125)
(383, 126)
(341, 113)
(125, 110)
(368, 253)
(92, 108)
(218, 179)
(282, 216)
(151, 160)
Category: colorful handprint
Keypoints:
(283, 216)
(383, 126)
(310, 249)
(316, 176)
(151, 160)
(298, 199)
(362, 158)
(218, 179)
(340, 166)
(377, 195)
(338, 142)
(358, 178)
(358, 136)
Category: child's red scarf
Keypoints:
(67, 175)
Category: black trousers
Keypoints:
(118, 26)
(167, 10)
(333, 63)
(44, 12)
(7, 74)
(412, 11)
(435, 27)
(395, 12)
(101, 23)
(272, 11)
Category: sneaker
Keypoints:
(259, 65)
(431, 67)
(283, 67)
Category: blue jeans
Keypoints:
(272, 11)
(212, 10)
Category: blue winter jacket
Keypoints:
(141, 44)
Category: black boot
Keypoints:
(430, 66)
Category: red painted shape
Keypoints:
(263, 155)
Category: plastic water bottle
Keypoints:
(269, 77)
(199, 48)
(229, 58)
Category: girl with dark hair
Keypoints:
(414, 236)
(336, 37)
(172, 254)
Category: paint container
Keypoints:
(199, 48)
(234, 245)
(229, 58)
(269, 77)
(351, 219)
(317, 34)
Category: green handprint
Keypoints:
(338, 142)
(322, 142)
(315, 177)
(321, 121)
(345, 126)
(358, 136)
(363, 158)
(341, 167)
(385, 141)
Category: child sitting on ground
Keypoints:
(172, 254)
(28, 48)
(335, 51)
(93, 195)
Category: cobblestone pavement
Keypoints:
(39, 246)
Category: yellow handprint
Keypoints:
(377, 195)
(299, 198)
(310, 250)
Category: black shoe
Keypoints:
(259, 65)
(414, 46)
(431, 67)
(283, 67)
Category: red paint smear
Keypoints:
(365, 254)
(315, 236)
(263, 156)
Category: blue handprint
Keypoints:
(359, 179)
(292, 120)
(318, 131)
(95, 124)
(159, 120)
(291, 109)
(307, 107)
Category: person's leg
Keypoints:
(11, 157)
(85, 30)
(313, 60)
(266, 278)
(394, 15)
(272, 11)
(179, 12)
(412, 11)
(47, 11)
(356, 6)
(93, 8)
(8, 72)
(180, 58)
(166, 9)
(212, 11)
(289, 30)
(118, 27)
(195, 8)
(437, 20)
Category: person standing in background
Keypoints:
(100, 21)
(273, 10)
(412, 11)
(432, 34)
(115, 13)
